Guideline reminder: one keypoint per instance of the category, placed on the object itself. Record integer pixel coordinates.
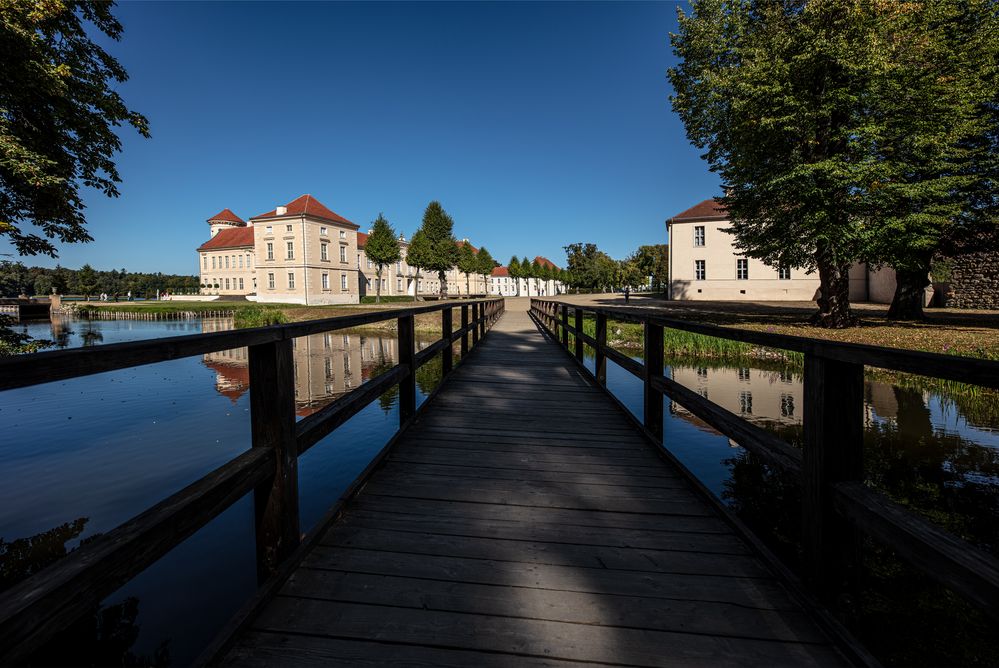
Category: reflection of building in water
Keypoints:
(753, 394)
(326, 365)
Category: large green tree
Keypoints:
(486, 266)
(513, 269)
(468, 263)
(419, 256)
(382, 248)
(58, 112)
(812, 114)
(653, 262)
(438, 228)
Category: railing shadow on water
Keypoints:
(839, 512)
(36, 609)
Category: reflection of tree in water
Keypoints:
(428, 376)
(102, 637)
(91, 334)
(382, 365)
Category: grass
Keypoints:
(258, 316)
(387, 299)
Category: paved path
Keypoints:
(524, 522)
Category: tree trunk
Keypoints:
(907, 303)
(468, 289)
(834, 296)
(378, 285)
(443, 281)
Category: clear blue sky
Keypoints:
(535, 124)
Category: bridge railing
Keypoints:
(50, 600)
(837, 507)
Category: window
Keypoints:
(227, 284)
(249, 261)
(343, 282)
(241, 284)
(343, 254)
(269, 229)
(327, 340)
(270, 281)
(787, 405)
(702, 372)
(744, 373)
(291, 250)
(742, 269)
(324, 252)
(746, 402)
(328, 368)
(699, 235)
(213, 262)
(369, 283)
(369, 263)
(699, 271)
(204, 259)
(291, 281)
(343, 235)
(270, 250)
(326, 281)
(287, 228)
(322, 231)
(398, 284)
(784, 273)
(240, 261)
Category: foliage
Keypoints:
(419, 254)
(486, 264)
(60, 110)
(258, 316)
(468, 263)
(513, 269)
(442, 253)
(812, 113)
(589, 266)
(17, 279)
(653, 261)
(382, 248)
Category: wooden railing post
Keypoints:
(407, 354)
(464, 334)
(447, 355)
(482, 318)
(601, 361)
(653, 369)
(578, 312)
(565, 326)
(476, 313)
(272, 425)
(833, 452)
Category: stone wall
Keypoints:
(974, 281)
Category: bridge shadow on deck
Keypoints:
(523, 521)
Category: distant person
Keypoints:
(627, 294)
(129, 295)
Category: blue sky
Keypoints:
(535, 124)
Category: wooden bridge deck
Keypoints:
(524, 521)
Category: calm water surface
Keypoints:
(81, 456)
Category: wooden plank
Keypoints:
(515, 465)
(656, 614)
(568, 475)
(540, 638)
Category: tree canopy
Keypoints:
(418, 255)
(835, 123)
(442, 251)
(486, 264)
(382, 248)
(468, 263)
(60, 110)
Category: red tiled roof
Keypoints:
(459, 244)
(234, 237)
(543, 261)
(226, 216)
(362, 239)
(232, 380)
(306, 205)
(500, 271)
(708, 209)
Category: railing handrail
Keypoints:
(45, 603)
(837, 506)
(948, 367)
(51, 365)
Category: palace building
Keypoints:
(304, 253)
(704, 264)
(504, 285)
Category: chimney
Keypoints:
(281, 210)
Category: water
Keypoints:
(84, 455)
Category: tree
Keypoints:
(590, 267)
(468, 263)
(653, 262)
(513, 269)
(805, 109)
(60, 111)
(442, 254)
(418, 256)
(486, 266)
(382, 248)
(87, 280)
(527, 271)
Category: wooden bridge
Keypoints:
(521, 517)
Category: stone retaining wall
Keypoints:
(974, 281)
